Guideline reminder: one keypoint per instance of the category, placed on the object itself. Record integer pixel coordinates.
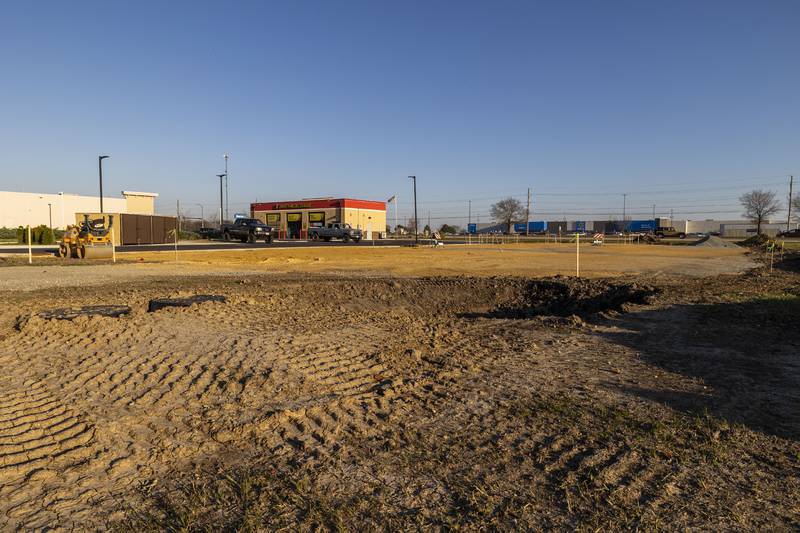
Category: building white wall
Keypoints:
(743, 230)
(708, 226)
(24, 208)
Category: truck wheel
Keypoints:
(251, 238)
(315, 236)
(682, 236)
(357, 239)
(226, 236)
(268, 240)
(345, 237)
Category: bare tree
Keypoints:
(758, 205)
(508, 210)
(796, 207)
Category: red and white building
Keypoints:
(293, 218)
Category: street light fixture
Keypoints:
(100, 169)
(220, 176)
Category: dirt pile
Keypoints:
(756, 241)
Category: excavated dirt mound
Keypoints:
(309, 403)
(71, 313)
(160, 303)
(571, 296)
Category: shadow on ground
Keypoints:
(743, 359)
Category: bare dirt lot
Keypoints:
(363, 401)
(451, 260)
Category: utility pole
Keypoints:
(50, 213)
(624, 201)
(416, 224)
(528, 213)
(430, 229)
(227, 215)
(178, 214)
(654, 211)
(671, 214)
(469, 213)
(789, 217)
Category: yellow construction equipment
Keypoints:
(90, 239)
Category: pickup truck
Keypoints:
(335, 230)
(670, 233)
(248, 230)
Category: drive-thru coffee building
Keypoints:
(292, 219)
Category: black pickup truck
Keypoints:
(335, 230)
(248, 230)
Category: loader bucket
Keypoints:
(95, 252)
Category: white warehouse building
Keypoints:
(58, 210)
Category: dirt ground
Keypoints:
(527, 260)
(359, 401)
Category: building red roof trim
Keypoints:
(318, 204)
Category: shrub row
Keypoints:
(39, 235)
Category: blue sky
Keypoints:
(680, 104)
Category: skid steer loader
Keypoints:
(91, 239)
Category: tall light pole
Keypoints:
(50, 214)
(225, 157)
(220, 176)
(789, 217)
(100, 169)
(416, 224)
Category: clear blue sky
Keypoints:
(680, 103)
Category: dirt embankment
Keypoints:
(306, 402)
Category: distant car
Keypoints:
(209, 233)
(792, 233)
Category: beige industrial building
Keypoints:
(58, 210)
(295, 217)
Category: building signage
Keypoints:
(472, 228)
(292, 206)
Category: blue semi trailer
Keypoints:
(537, 226)
(641, 226)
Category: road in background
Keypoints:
(187, 246)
